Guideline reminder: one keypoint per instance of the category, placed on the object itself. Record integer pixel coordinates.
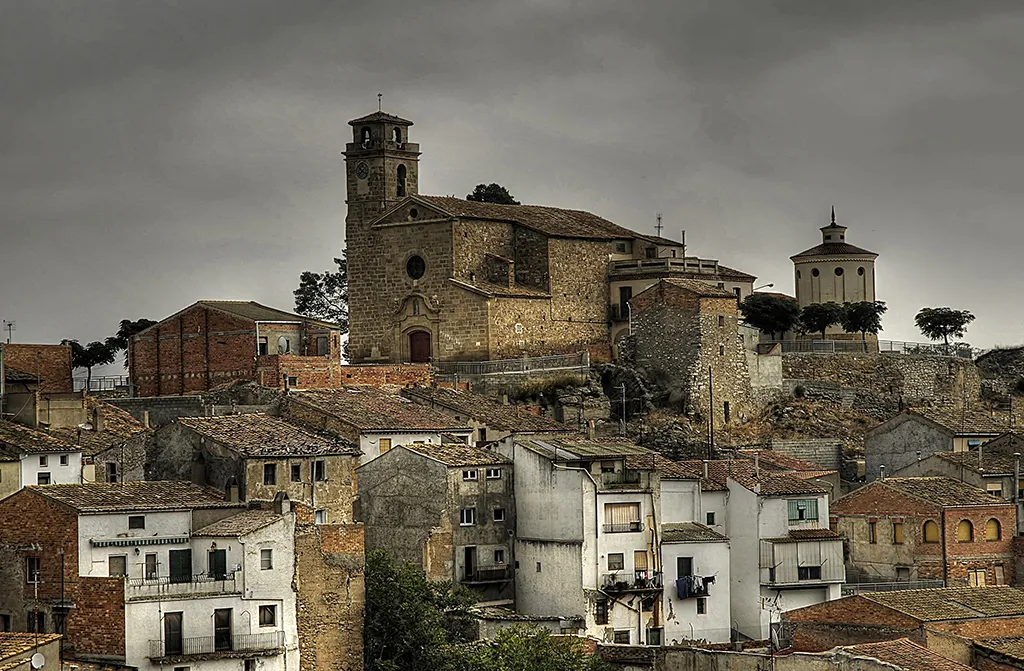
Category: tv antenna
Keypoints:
(9, 326)
(658, 226)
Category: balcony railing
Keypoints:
(207, 645)
(689, 588)
(665, 265)
(483, 574)
(623, 527)
(185, 584)
(635, 581)
(621, 478)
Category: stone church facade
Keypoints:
(444, 279)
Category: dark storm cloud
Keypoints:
(155, 153)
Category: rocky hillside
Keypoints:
(794, 419)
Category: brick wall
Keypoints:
(310, 372)
(52, 363)
(377, 375)
(96, 623)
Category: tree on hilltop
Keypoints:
(864, 317)
(771, 313)
(492, 193)
(817, 317)
(941, 323)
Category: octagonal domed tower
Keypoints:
(835, 270)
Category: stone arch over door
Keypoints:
(416, 313)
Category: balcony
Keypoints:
(692, 587)
(627, 479)
(624, 527)
(663, 266)
(636, 581)
(238, 645)
(182, 585)
(488, 574)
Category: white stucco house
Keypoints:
(33, 457)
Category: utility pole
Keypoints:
(711, 415)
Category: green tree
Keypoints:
(771, 313)
(936, 323)
(530, 648)
(492, 193)
(817, 317)
(410, 622)
(94, 354)
(864, 317)
(128, 328)
(324, 295)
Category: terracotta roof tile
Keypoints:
(31, 441)
(380, 116)
(1011, 646)
(797, 535)
(118, 426)
(778, 461)
(260, 435)
(960, 422)
(15, 643)
(242, 524)
(689, 532)
(15, 375)
(906, 655)
(490, 411)
(572, 448)
(834, 249)
(699, 287)
(952, 603)
(456, 455)
(743, 471)
(940, 490)
(491, 289)
(994, 464)
(372, 409)
(681, 470)
(100, 497)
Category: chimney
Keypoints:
(706, 464)
(591, 430)
(504, 399)
(757, 464)
(282, 504)
(98, 420)
(881, 472)
(145, 418)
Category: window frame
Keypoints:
(64, 460)
(898, 533)
(38, 563)
(111, 559)
(622, 633)
(499, 557)
(811, 572)
(295, 473)
(709, 518)
(266, 559)
(493, 474)
(133, 522)
(467, 514)
(44, 475)
(470, 475)
(269, 473)
(621, 563)
(495, 517)
(44, 461)
(930, 524)
(319, 468)
(272, 610)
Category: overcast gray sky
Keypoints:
(156, 153)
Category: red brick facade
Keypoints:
(51, 363)
(95, 622)
(203, 347)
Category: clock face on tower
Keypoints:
(362, 170)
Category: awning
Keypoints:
(139, 540)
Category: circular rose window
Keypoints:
(415, 267)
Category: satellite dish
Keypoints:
(38, 661)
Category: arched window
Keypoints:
(993, 531)
(931, 532)
(964, 532)
(398, 134)
(401, 180)
(366, 134)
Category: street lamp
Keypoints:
(764, 286)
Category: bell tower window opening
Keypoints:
(398, 134)
(401, 181)
(365, 135)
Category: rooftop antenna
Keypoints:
(9, 326)
(380, 95)
(658, 226)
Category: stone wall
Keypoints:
(162, 410)
(914, 378)
(880, 406)
(376, 375)
(828, 454)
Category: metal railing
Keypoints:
(631, 581)
(496, 573)
(205, 645)
(666, 264)
(101, 383)
(870, 346)
(181, 579)
(858, 587)
(577, 362)
(623, 527)
(627, 477)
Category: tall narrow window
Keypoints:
(931, 532)
(366, 135)
(401, 181)
(398, 134)
(270, 474)
(897, 533)
(964, 532)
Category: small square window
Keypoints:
(616, 561)
(721, 350)
(268, 616)
(499, 514)
(469, 474)
(43, 459)
(467, 517)
(64, 460)
(622, 637)
(117, 566)
(601, 611)
(499, 556)
(538, 567)
(493, 473)
(136, 521)
(702, 606)
(249, 665)
(270, 474)
(293, 381)
(319, 470)
(620, 247)
(721, 320)
(42, 478)
(296, 472)
(320, 517)
(710, 517)
(266, 559)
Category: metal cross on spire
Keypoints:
(833, 215)
(380, 95)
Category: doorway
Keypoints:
(470, 562)
(222, 629)
(419, 347)
(218, 564)
(173, 641)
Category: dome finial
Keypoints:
(833, 215)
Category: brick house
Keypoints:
(211, 343)
(681, 329)
(449, 509)
(925, 528)
(255, 457)
(915, 614)
(446, 279)
(50, 364)
(375, 419)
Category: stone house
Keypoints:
(919, 432)
(929, 528)
(772, 460)
(375, 419)
(925, 616)
(114, 444)
(49, 365)
(445, 279)
(256, 457)
(686, 333)
(33, 457)
(210, 343)
(491, 419)
(449, 509)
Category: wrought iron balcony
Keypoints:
(265, 642)
(635, 581)
(688, 588)
(484, 574)
(182, 584)
(624, 527)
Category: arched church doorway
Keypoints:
(419, 346)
